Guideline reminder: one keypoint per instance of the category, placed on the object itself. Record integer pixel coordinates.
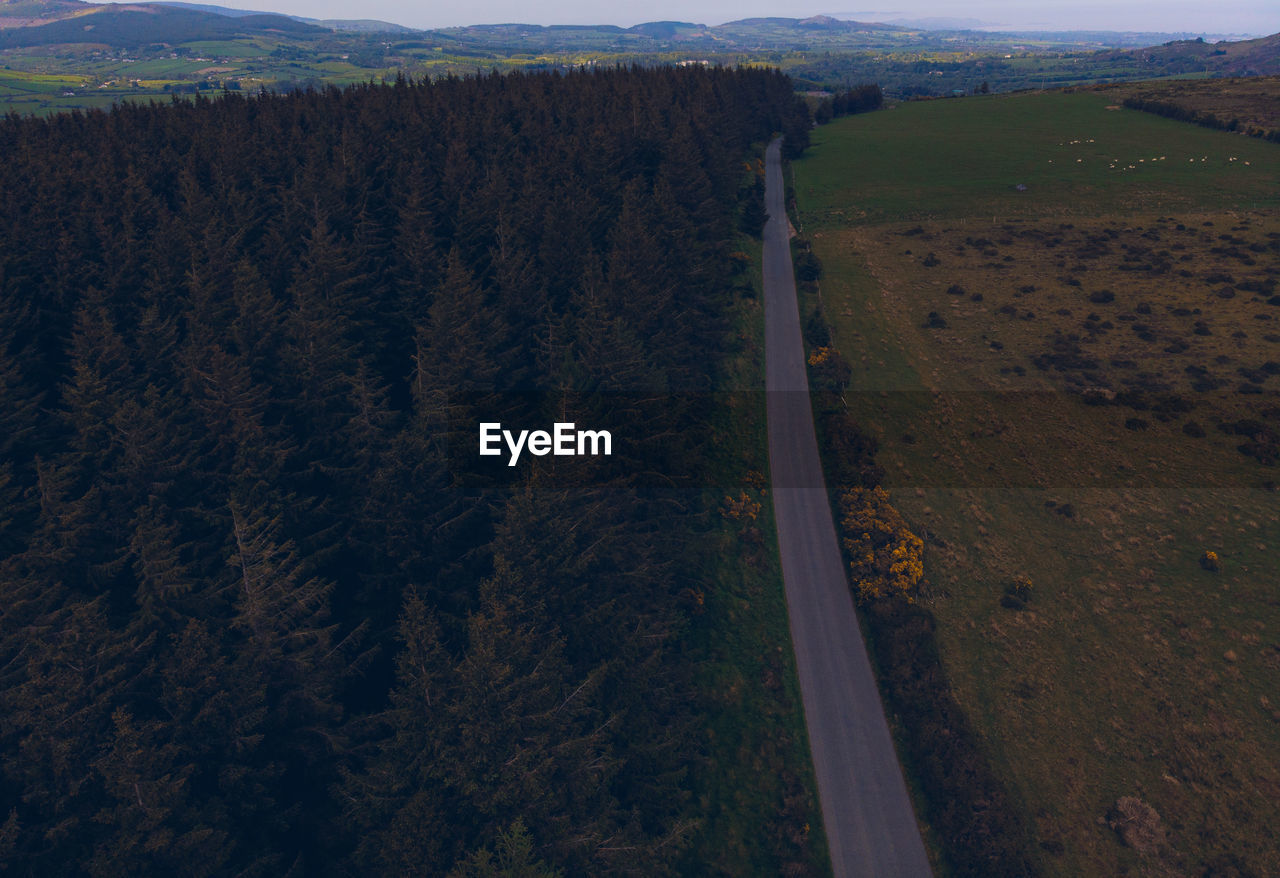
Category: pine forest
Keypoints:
(260, 615)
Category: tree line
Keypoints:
(259, 615)
(859, 99)
(1203, 118)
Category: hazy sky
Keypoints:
(1198, 16)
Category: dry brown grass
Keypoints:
(1131, 672)
(1254, 100)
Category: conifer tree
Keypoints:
(515, 857)
(146, 784)
(398, 800)
(217, 701)
(77, 671)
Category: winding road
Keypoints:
(871, 829)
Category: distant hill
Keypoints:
(172, 22)
(353, 25)
(134, 25)
(817, 33)
(826, 22)
(213, 10)
(663, 30)
(816, 22)
(820, 32)
(647, 37)
(360, 25)
(28, 13)
(1258, 57)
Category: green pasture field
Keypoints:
(168, 68)
(227, 49)
(977, 322)
(964, 158)
(41, 94)
(15, 85)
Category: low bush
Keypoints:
(816, 331)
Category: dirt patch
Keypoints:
(1138, 825)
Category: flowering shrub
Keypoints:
(743, 508)
(1209, 561)
(886, 558)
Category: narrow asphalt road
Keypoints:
(871, 829)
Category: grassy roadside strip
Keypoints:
(755, 785)
(972, 825)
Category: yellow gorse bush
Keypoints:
(1209, 561)
(819, 356)
(886, 557)
(742, 508)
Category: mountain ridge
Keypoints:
(72, 22)
(31, 23)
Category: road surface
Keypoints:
(871, 829)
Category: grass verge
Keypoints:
(756, 791)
